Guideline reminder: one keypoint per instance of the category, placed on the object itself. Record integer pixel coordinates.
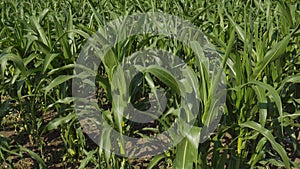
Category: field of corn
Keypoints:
(258, 42)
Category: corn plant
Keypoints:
(256, 41)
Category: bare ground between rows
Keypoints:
(54, 150)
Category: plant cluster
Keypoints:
(259, 45)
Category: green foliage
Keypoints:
(259, 42)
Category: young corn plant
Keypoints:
(257, 41)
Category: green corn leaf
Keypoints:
(276, 51)
(34, 156)
(6, 147)
(184, 155)
(266, 133)
(259, 152)
(241, 33)
(211, 112)
(67, 100)
(56, 70)
(285, 13)
(98, 16)
(289, 79)
(17, 60)
(104, 82)
(79, 32)
(187, 150)
(43, 47)
(39, 30)
(43, 14)
(57, 81)
(48, 60)
(63, 39)
(110, 62)
(58, 122)
(273, 93)
(118, 101)
(155, 160)
(262, 99)
(164, 76)
(87, 159)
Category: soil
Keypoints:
(54, 150)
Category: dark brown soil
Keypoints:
(54, 150)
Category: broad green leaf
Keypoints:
(17, 60)
(187, 150)
(262, 99)
(259, 152)
(98, 16)
(110, 62)
(266, 133)
(86, 160)
(153, 89)
(285, 13)
(63, 39)
(58, 122)
(289, 79)
(57, 81)
(273, 93)
(184, 155)
(164, 76)
(79, 32)
(39, 30)
(34, 156)
(154, 161)
(67, 100)
(42, 47)
(43, 14)
(56, 70)
(239, 30)
(119, 102)
(294, 115)
(211, 105)
(48, 60)
(276, 51)
(104, 82)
